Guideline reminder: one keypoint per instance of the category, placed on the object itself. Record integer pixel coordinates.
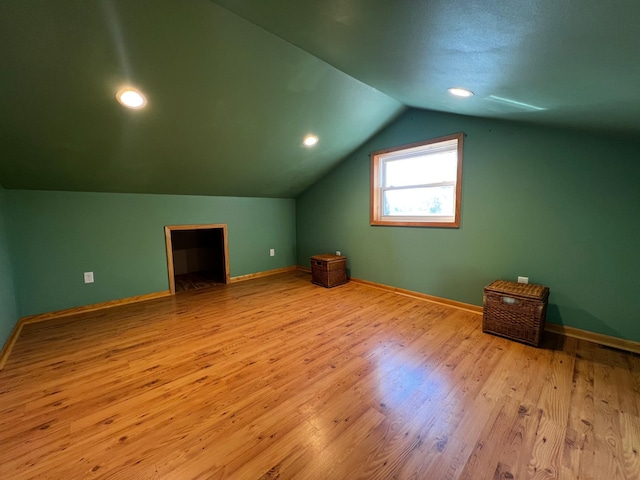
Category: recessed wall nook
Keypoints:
(197, 256)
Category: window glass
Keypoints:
(419, 202)
(418, 184)
(423, 169)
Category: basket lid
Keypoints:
(514, 288)
(328, 257)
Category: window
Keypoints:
(418, 185)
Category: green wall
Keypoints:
(56, 236)
(558, 206)
(8, 307)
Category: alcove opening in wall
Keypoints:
(197, 256)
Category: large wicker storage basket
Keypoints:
(515, 310)
(329, 270)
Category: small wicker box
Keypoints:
(515, 310)
(329, 270)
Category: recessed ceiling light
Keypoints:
(460, 92)
(131, 98)
(310, 140)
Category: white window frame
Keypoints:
(435, 145)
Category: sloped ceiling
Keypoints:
(560, 62)
(228, 102)
(234, 85)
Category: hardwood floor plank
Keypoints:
(276, 377)
(579, 432)
(607, 429)
(545, 461)
(515, 458)
(335, 460)
(630, 432)
(483, 459)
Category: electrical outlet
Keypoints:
(523, 279)
(272, 252)
(88, 277)
(338, 252)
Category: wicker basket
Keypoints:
(329, 270)
(515, 310)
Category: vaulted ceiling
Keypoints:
(562, 62)
(233, 86)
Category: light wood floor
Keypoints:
(279, 378)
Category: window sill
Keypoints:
(415, 224)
